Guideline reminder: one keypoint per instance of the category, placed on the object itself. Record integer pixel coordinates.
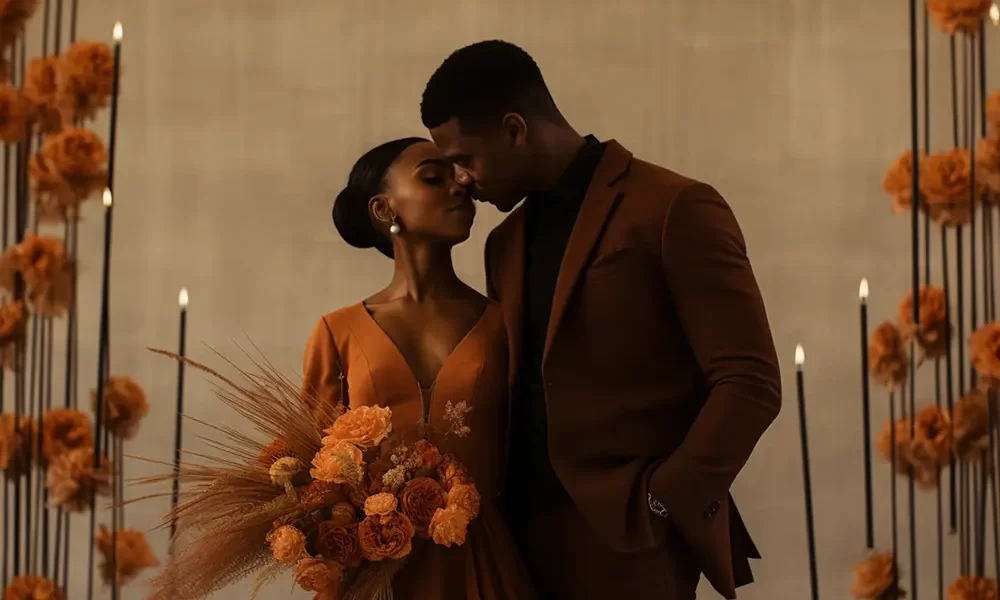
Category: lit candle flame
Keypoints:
(995, 13)
(117, 31)
(863, 289)
(182, 298)
(107, 198)
(800, 355)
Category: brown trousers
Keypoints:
(568, 562)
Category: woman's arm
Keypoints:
(322, 375)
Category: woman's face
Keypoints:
(427, 201)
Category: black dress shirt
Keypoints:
(532, 484)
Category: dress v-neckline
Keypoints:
(402, 358)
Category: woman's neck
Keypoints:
(421, 273)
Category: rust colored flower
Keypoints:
(275, 450)
(79, 158)
(958, 16)
(132, 554)
(430, 456)
(32, 587)
(338, 462)
(875, 578)
(419, 500)
(451, 472)
(988, 162)
(365, 427)
(65, 429)
(15, 444)
(40, 93)
(54, 199)
(343, 513)
(970, 587)
(124, 405)
(84, 79)
(73, 482)
(287, 543)
(315, 575)
(47, 272)
(340, 543)
(14, 112)
(14, 14)
(898, 183)
(13, 322)
(946, 184)
(466, 497)
(984, 353)
(379, 505)
(930, 448)
(970, 425)
(385, 536)
(449, 526)
(885, 442)
(321, 493)
(887, 357)
(934, 331)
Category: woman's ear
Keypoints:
(380, 210)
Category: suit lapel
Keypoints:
(600, 201)
(511, 262)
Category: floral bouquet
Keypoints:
(339, 497)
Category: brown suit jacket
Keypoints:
(659, 365)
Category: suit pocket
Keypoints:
(613, 260)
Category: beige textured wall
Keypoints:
(240, 120)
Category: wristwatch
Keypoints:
(657, 508)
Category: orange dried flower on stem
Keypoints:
(13, 322)
(876, 578)
(931, 445)
(934, 331)
(131, 556)
(73, 482)
(970, 425)
(971, 587)
(984, 354)
(84, 79)
(40, 93)
(124, 405)
(14, 14)
(887, 357)
(958, 16)
(898, 183)
(945, 182)
(15, 444)
(47, 272)
(65, 429)
(988, 164)
(14, 112)
(32, 587)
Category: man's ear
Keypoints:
(380, 209)
(515, 129)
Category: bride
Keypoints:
(424, 343)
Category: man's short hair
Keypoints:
(483, 80)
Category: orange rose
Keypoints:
(315, 575)
(421, 498)
(466, 497)
(365, 426)
(380, 505)
(451, 472)
(340, 543)
(387, 536)
(287, 543)
(338, 462)
(449, 526)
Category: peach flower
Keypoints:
(316, 575)
(287, 543)
(338, 462)
(449, 526)
(380, 505)
(364, 426)
(420, 499)
(387, 536)
(466, 497)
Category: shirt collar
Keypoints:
(573, 183)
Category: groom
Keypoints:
(642, 366)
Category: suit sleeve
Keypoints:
(491, 290)
(322, 384)
(721, 311)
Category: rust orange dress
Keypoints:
(349, 342)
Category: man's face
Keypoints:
(490, 160)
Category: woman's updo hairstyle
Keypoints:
(351, 216)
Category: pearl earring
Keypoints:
(395, 228)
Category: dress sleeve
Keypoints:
(322, 375)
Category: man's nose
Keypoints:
(462, 176)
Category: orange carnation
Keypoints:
(365, 426)
(386, 536)
(420, 499)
